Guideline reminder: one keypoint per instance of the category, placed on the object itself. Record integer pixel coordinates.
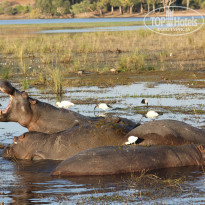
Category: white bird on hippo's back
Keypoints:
(64, 104)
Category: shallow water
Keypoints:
(98, 29)
(26, 182)
(78, 20)
(93, 20)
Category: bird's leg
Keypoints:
(139, 122)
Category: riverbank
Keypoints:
(108, 58)
(116, 14)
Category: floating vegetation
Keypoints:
(141, 188)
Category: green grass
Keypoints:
(31, 54)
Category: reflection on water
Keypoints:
(97, 29)
(26, 182)
(32, 184)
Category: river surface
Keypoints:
(79, 20)
(93, 20)
(28, 182)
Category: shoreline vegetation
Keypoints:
(115, 14)
(32, 9)
(99, 58)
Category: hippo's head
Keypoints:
(19, 108)
(17, 149)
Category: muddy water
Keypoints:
(25, 182)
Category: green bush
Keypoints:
(35, 13)
(83, 6)
(52, 6)
(11, 11)
(22, 9)
(1, 10)
(132, 62)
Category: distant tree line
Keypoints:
(10, 8)
(64, 7)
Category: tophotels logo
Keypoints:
(172, 25)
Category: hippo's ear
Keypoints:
(201, 148)
(22, 137)
(15, 139)
(32, 102)
(24, 94)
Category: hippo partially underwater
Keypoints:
(97, 146)
(166, 132)
(129, 159)
(64, 144)
(42, 117)
(61, 145)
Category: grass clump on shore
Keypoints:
(31, 54)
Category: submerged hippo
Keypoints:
(61, 145)
(42, 117)
(128, 159)
(166, 132)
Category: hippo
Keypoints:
(64, 144)
(38, 116)
(166, 132)
(111, 160)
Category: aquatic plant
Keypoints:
(25, 83)
(4, 73)
(56, 79)
(133, 62)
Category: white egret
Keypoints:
(114, 70)
(102, 106)
(151, 114)
(64, 104)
